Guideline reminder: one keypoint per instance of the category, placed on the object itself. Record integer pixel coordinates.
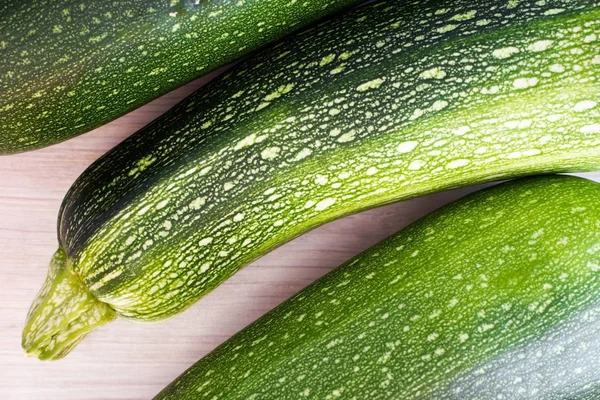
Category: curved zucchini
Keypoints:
(418, 98)
(495, 296)
(68, 67)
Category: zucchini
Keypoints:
(495, 296)
(417, 98)
(68, 67)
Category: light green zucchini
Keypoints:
(416, 98)
(67, 67)
(496, 296)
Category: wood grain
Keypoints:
(126, 360)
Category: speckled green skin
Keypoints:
(68, 67)
(496, 296)
(414, 99)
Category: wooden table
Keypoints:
(125, 360)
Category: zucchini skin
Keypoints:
(495, 296)
(316, 128)
(67, 68)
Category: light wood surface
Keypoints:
(125, 360)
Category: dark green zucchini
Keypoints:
(67, 67)
(496, 296)
(416, 98)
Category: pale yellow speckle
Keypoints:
(490, 90)
(518, 124)
(432, 337)
(175, 27)
(557, 68)
(337, 70)
(190, 171)
(417, 113)
(144, 210)
(593, 266)
(335, 132)
(505, 52)
(321, 179)
(323, 204)
(238, 217)
(416, 165)
(554, 117)
(524, 83)
(237, 94)
(461, 131)
(594, 128)
(463, 337)
(205, 241)
(531, 152)
(228, 185)
(262, 105)
(372, 171)
(346, 137)
(270, 153)
(439, 105)
(585, 105)
(446, 28)
(590, 38)
(162, 204)
(247, 141)
(458, 163)
(204, 171)
(372, 84)
(305, 152)
(309, 204)
(281, 90)
(204, 267)
(327, 60)
(465, 16)
(540, 45)
(596, 60)
(215, 13)
(434, 73)
(407, 147)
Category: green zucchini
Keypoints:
(417, 98)
(495, 296)
(68, 67)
